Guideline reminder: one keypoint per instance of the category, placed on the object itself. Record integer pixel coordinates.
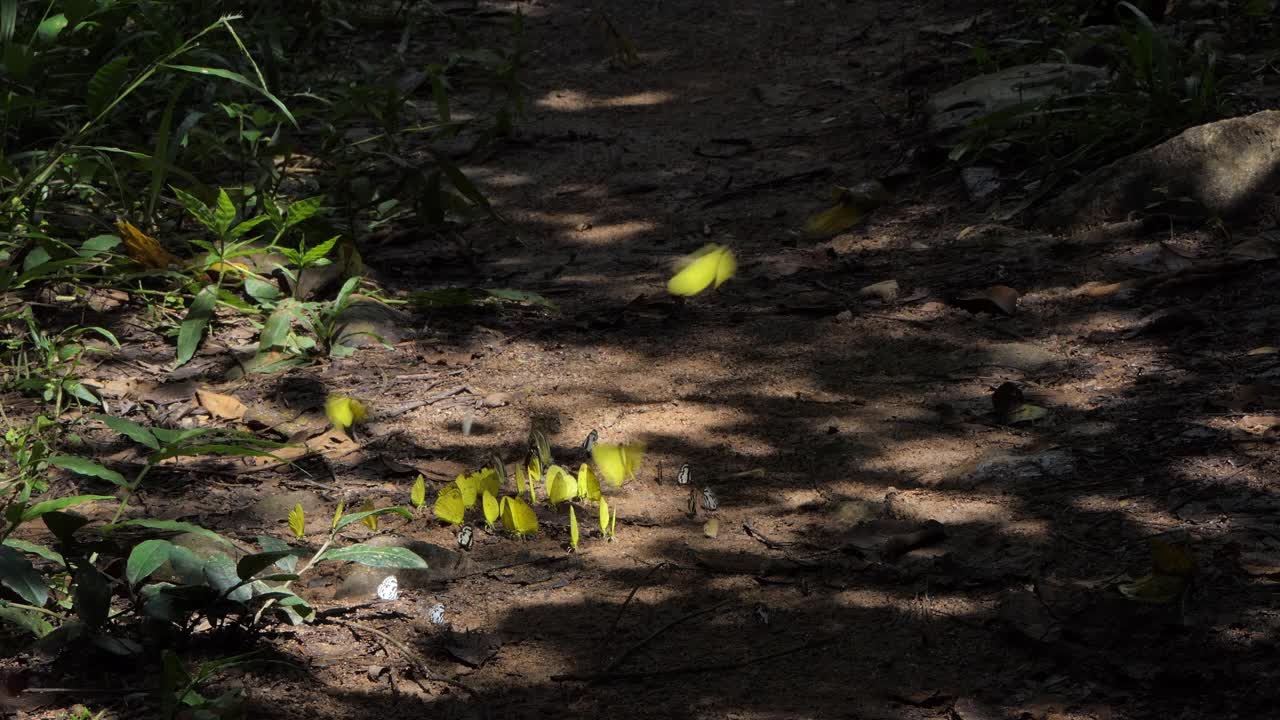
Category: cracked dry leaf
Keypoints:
(221, 406)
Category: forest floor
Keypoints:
(830, 423)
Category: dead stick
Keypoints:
(409, 407)
(634, 648)
(693, 669)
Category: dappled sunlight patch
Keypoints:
(577, 101)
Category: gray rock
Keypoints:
(1223, 166)
(1055, 464)
(951, 111)
(1028, 357)
(359, 581)
(274, 509)
(981, 181)
(367, 322)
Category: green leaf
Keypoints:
(98, 244)
(51, 27)
(221, 450)
(261, 290)
(193, 327)
(196, 208)
(303, 210)
(244, 227)
(224, 213)
(18, 574)
(25, 619)
(169, 526)
(463, 184)
(276, 330)
(346, 520)
(34, 549)
(85, 466)
(378, 556)
(146, 557)
(239, 79)
(289, 563)
(319, 252)
(8, 20)
(132, 430)
(40, 508)
(105, 83)
(343, 294)
(251, 565)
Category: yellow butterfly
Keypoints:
(540, 446)
(520, 474)
(491, 509)
(618, 463)
(573, 528)
(852, 204)
(604, 517)
(472, 485)
(298, 521)
(370, 521)
(449, 505)
(712, 264)
(518, 517)
(588, 485)
(418, 495)
(344, 411)
(561, 485)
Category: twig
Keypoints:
(634, 648)
(771, 544)
(409, 407)
(607, 676)
(408, 652)
(727, 195)
(632, 594)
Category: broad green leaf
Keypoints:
(18, 574)
(98, 244)
(176, 526)
(34, 511)
(146, 557)
(251, 565)
(196, 208)
(302, 210)
(85, 466)
(8, 20)
(319, 252)
(346, 520)
(220, 573)
(220, 449)
(224, 213)
(378, 556)
(25, 619)
(270, 544)
(132, 430)
(276, 330)
(34, 549)
(261, 290)
(104, 84)
(345, 292)
(242, 228)
(50, 28)
(239, 79)
(193, 326)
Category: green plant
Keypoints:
(46, 364)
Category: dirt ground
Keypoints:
(828, 422)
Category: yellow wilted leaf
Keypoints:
(298, 521)
(418, 495)
(573, 528)
(449, 506)
(588, 485)
(712, 265)
(144, 249)
(344, 411)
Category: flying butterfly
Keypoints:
(389, 589)
(466, 536)
(592, 438)
(682, 477)
(618, 463)
(709, 499)
(713, 264)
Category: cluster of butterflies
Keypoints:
(710, 502)
(616, 463)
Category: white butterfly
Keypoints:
(762, 613)
(466, 536)
(389, 588)
(709, 499)
(590, 442)
(682, 477)
(436, 614)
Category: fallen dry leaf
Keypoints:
(996, 300)
(144, 249)
(884, 291)
(221, 406)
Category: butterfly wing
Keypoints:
(470, 488)
(604, 517)
(609, 459)
(522, 519)
(449, 506)
(588, 484)
(339, 411)
(573, 528)
(726, 266)
(698, 274)
(561, 486)
(491, 509)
